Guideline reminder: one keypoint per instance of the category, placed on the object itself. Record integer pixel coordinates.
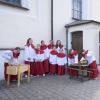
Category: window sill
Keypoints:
(13, 5)
(76, 19)
(1, 49)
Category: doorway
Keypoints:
(77, 42)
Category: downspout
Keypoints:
(99, 47)
(67, 42)
(51, 19)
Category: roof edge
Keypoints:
(81, 22)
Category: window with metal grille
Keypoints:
(15, 2)
(77, 9)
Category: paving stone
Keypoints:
(51, 88)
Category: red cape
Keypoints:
(51, 46)
(39, 51)
(61, 55)
(16, 55)
(70, 56)
(43, 47)
(54, 52)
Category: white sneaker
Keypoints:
(43, 74)
(26, 76)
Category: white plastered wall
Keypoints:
(18, 24)
(62, 16)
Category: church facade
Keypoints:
(50, 19)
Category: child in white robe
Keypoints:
(61, 62)
(39, 61)
(53, 61)
(11, 57)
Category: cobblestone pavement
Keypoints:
(52, 88)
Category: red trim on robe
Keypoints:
(51, 46)
(61, 55)
(70, 56)
(39, 51)
(16, 55)
(53, 52)
(43, 47)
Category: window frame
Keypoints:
(77, 10)
(14, 4)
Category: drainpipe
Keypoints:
(99, 47)
(51, 19)
(67, 42)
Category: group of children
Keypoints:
(44, 59)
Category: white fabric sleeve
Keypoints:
(65, 60)
(69, 61)
(42, 57)
(26, 53)
(7, 55)
(76, 58)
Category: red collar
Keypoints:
(16, 55)
(61, 55)
(51, 46)
(54, 52)
(43, 47)
(39, 51)
(70, 56)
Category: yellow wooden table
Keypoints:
(18, 70)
